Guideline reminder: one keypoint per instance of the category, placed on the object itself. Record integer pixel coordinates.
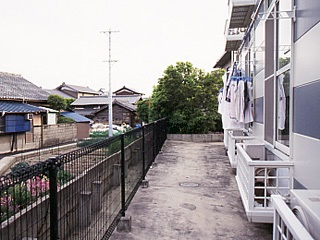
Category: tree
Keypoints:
(68, 103)
(187, 96)
(143, 110)
(57, 102)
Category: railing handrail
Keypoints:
(270, 163)
(103, 167)
(296, 228)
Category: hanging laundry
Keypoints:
(248, 108)
(235, 102)
(220, 101)
(281, 103)
(225, 104)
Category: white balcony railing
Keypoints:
(285, 223)
(260, 174)
(233, 137)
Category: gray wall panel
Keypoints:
(258, 110)
(269, 110)
(306, 110)
(297, 184)
(307, 16)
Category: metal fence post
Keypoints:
(143, 155)
(53, 194)
(154, 141)
(123, 184)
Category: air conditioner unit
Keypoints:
(305, 204)
(29, 116)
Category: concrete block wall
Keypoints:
(59, 133)
(196, 137)
(52, 135)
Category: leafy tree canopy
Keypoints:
(187, 96)
(68, 103)
(143, 110)
(57, 102)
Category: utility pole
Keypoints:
(110, 90)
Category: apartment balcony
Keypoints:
(234, 38)
(233, 137)
(240, 12)
(261, 173)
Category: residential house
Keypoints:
(273, 44)
(95, 108)
(16, 125)
(72, 91)
(26, 124)
(123, 112)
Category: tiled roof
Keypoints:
(17, 107)
(85, 112)
(76, 88)
(129, 90)
(125, 105)
(13, 86)
(102, 100)
(76, 117)
(58, 92)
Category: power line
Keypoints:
(110, 91)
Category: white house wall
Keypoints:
(52, 118)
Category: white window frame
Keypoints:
(285, 149)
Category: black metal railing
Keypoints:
(81, 194)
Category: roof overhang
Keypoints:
(223, 61)
(233, 45)
(240, 12)
(8, 107)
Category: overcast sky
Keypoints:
(54, 41)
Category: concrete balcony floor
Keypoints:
(192, 194)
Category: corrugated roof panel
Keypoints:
(76, 117)
(16, 107)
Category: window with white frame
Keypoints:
(283, 57)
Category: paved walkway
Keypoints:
(192, 195)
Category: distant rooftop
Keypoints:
(58, 92)
(123, 104)
(75, 88)
(15, 87)
(125, 91)
(76, 117)
(17, 107)
(103, 100)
